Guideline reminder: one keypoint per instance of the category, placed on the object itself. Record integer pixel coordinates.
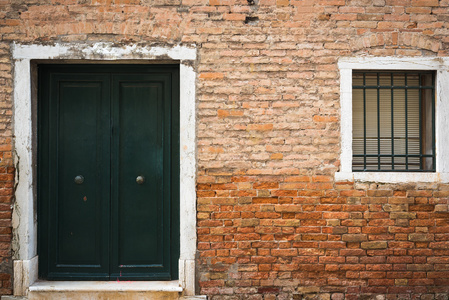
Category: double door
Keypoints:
(108, 164)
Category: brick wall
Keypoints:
(6, 164)
(293, 236)
(272, 222)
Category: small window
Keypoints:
(393, 121)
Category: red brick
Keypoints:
(265, 200)
(266, 185)
(211, 75)
(424, 3)
(382, 282)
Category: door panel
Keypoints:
(109, 125)
(141, 141)
(79, 142)
(79, 148)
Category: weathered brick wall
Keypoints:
(6, 163)
(272, 223)
(288, 236)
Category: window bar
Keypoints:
(421, 164)
(389, 88)
(433, 123)
(392, 123)
(422, 155)
(364, 122)
(378, 123)
(406, 122)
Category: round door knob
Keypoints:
(79, 179)
(140, 179)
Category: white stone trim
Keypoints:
(441, 66)
(24, 213)
(25, 274)
(102, 51)
(106, 286)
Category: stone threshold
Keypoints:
(106, 286)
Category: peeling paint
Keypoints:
(15, 243)
(103, 51)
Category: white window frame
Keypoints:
(441, 67)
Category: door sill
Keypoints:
(106, 286)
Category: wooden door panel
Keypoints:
(140, 228)
(109, 124)
(76, 216)
(141, 234)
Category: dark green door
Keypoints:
(108, 164)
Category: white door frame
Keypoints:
(24, 220)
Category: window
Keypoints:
(393, 121)
(416, 150)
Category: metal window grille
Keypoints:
(393, 121)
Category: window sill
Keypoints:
(392, 177)
(106, 286)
